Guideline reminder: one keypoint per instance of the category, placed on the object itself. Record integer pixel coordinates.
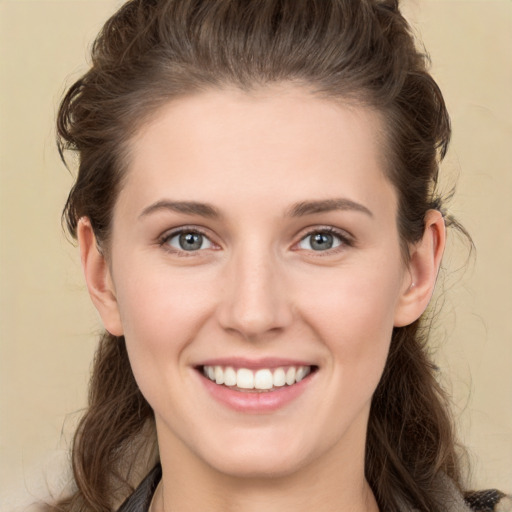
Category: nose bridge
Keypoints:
(255, 301)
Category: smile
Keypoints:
(261, 380)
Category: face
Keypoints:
(257, 274)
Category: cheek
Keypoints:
(356, 302)
(155, 299)
(161, 315)
(354, 317)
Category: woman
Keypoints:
(260, 233)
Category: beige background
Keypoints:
(48, 327)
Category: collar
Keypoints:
(140, 499)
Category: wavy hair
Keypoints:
(359, 51)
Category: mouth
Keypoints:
(260, 380)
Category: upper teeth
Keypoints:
(264, 378)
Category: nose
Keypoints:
(255, 301)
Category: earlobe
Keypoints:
(423, 267)
(98, 278)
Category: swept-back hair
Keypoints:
(355, 51)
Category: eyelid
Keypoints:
(346, 239)
(171, 233)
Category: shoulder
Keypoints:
(449, 498)
(490, 500)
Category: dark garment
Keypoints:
(481, 501)
(488, 501)
(140, 499)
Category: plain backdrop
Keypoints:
(48, 328)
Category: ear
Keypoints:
(98, 278)
(423, 267)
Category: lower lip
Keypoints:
(253, 401)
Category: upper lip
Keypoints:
(265, 362)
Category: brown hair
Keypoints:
(361, 51)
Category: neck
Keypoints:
(333, 483)
(256, 499)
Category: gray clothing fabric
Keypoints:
(448, 497)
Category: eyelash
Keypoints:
(164, 240)
(344, 239)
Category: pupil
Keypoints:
(191, 241)
(321, 241)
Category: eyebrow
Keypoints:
(187, 207)
(327, 205)
(300, 209)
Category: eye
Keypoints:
(188, 241)
(321, 240)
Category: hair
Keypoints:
(358, 51)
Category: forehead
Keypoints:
(282, 142)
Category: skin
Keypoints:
(258, 289)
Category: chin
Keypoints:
(259, 455)
(256, 466)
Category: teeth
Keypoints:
(290, 376)
(279, 378)
(244, 379)
(263, 379)
(229, 376)
(219, 375)
(301, 373)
